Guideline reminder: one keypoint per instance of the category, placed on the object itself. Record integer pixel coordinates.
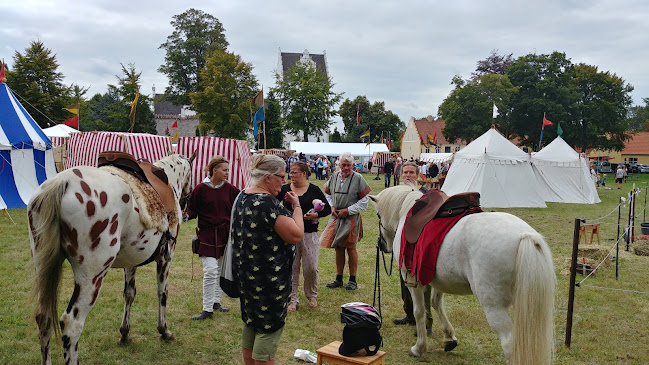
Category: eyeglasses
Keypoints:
(296, 172)
(280, 176)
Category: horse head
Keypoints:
(391, 207)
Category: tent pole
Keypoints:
(5, 212)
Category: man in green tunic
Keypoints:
(347, 193)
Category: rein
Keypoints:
(381, 246)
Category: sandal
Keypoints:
(313, 303)
(351, 285)
(292, 307)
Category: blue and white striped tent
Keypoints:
(26, 158)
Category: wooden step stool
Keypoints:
(329, 354)
(594, 230)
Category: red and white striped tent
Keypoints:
(84, 148)
(380, 158)
(236, 151)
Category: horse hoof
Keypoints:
(168, 338)
(412, 353)
(450, 345)
(124, 341)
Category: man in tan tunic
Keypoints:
(347, 193)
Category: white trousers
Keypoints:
(211, 286)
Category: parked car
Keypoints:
(632, 167)
(603, 167)
(643, 168)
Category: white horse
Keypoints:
(91, 217)
(496, 256)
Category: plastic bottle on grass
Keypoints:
(305, 355)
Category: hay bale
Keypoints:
(641, 247)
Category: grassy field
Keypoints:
(610, 326)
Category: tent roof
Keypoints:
(18, 130)
(435, 157)
(59, 130)
(557, 152)
(336, 149)
(495, 146)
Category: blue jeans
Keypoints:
(387, 180)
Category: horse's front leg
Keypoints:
(163, 266)
(450, 341)
(129, 297)
(419, 311)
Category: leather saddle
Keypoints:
(436, 204)
(145, 171)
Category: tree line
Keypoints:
(593, 107)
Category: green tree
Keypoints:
(274, 126)
(639, 116)
(39, 86)
(227, 87)
(196, 34)
(468, 109)
(307, 100)
(600, 119)
(110, 111)
(544, 86)
(335, 136)
(372, 116)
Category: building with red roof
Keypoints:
(416, 138)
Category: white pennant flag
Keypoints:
(495, 111)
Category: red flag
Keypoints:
(175, 125)
(358, 121)
(546, 121)
(4, 79)
(72, 122)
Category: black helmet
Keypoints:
(360, 315)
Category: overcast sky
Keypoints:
(404, 53)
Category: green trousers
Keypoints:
(407, 302)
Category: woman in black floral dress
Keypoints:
(264, 235)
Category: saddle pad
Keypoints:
(421, 258)
(149, 205)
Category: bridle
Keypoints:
(381, 246)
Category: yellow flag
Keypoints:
(131, 115)
(74, 109)
(175, 138)
(366, 134)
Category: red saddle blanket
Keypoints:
(420, 258)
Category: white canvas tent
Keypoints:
(564, 176)
(335, 149)
(436, 157)
(498, 170)
(59, 130)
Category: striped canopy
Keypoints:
(26, 158)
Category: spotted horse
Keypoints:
(98, 218)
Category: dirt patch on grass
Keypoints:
(593, 255)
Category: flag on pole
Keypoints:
(259, 98)
(381, 138)
(74, 109)
(358, 120)
(366, 134)
(175, 137)
(3, 78)
(131, 115)
(174, 125)
(72, 122)
(259, 117)
(401, 139)
(546, 121)
(431, 140)
(559, 130)
(495, 111)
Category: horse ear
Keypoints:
(191, 159)
(373, 198)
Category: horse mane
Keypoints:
(394, 203)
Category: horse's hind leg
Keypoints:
(86, 291)
(500, 322)
(419, 311)
(129, 297)
(45, 323)
(450, 341)
(163, 266)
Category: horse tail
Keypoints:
(533, 301)
(45, 229)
